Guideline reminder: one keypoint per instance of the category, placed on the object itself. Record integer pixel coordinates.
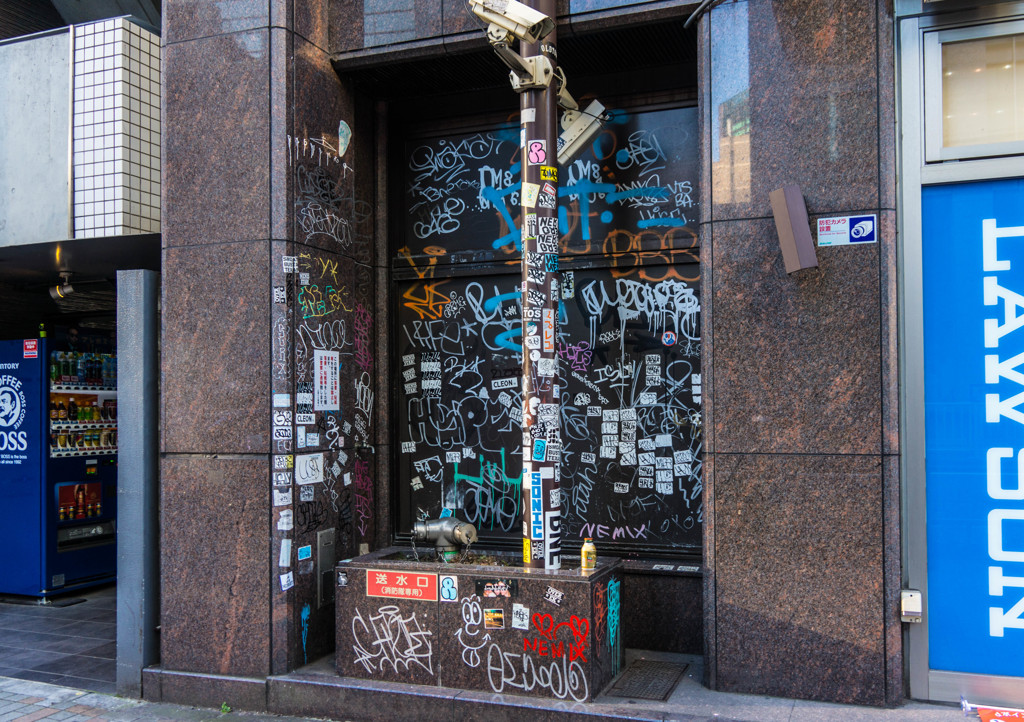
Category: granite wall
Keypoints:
(269, 287)
(273, 196)
(800, 376)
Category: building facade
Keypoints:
(342, 331)
(356, 220)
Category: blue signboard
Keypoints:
(21, 457)
(973, 258)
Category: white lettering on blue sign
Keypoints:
(997, 408)
(536, 508)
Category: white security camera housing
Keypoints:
(578, 129)
(565, 100)
(525, 23)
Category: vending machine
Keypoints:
(58, 468)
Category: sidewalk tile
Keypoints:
(33, 716)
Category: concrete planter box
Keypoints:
(551, 634)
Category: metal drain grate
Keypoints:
(647, 679)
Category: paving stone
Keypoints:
(33, 716)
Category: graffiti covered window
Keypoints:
(629, 381)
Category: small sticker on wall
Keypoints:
(279, 295)
(449, 591)
(309, 468)
(847, 230)
(282, 401)
(520, 616)
(530, 193)
(554, 596)
(537, 151)
(284, 523)
(326, 388)
(306, 492)
(284, 559)
(549, 173)
(282, 497)
(303, 279)
(290, 264)
(344, 137)
(287, 581)
(305, 552)
(283, 461)
(494, 619)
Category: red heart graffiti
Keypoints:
(545, 624)
(579, 627)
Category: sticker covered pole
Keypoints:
(542, 441)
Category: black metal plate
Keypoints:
(648, 679)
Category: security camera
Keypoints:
(515, 18)
(565, 100)
(63, 288)
(578, 129)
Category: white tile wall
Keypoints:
(116, 136)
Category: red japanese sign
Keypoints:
(31, 348)
(401, 585)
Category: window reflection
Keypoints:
(730, 105)
(983, 91)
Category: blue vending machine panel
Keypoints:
(22, 461)
(58, 477)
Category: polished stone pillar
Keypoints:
(800, 371)
(268, 258)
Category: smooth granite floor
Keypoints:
(72, 646)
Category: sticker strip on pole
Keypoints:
(542, 441)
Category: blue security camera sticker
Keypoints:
(847, 230)
(863, 229)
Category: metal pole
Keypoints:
(542, 443)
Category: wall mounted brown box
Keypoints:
(794, 230)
